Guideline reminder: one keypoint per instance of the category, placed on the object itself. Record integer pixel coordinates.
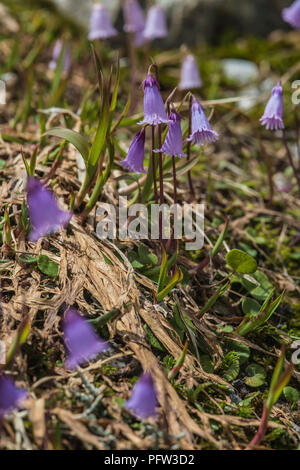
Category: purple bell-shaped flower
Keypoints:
(143, 400)
(80, 339)
(292, 14)
(10, 395)
(100, 24)
(201, 129)
(154, 108)
(190, 75)
(156, 24)
(173, 144)
(56, 54)
(44, 214)
(272, 117)
(134, 160)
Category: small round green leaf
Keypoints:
(291, 394)
(256, 375)
(46, 266)
(240, 262)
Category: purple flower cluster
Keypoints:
(154, 27)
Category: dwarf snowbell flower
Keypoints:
(80, 339)
(272, 117)
(44, 213)
(143, 400)
(201, 129)
(100, 24)
(134, 17)
(154, 108)
(156, 24)
(292, 14)
(190, 75)
(10, 395)
(135, 156)
(134, 21)
(173, 144)
(56, 54)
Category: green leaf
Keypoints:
(231, 364)
(176, 279)
(27, 259)
(46, 266)
(79, 141)
(146, 257)
(256, 375)
(252, 322)
(250, 306)
(291, 394)
(101, 133)
(207, 364)
(263, 290)
(240, 262)
(220, 240)
(153, 340)
(241, 350)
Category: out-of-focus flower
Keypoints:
(272, 117)
(134, 17)
(56, 54)
(80, 339)
(44, 213)
(156, 24)
(10, 395)
(154, 108)
(143, 400)
(292, 14)
(282, 183)
(173, 144)
(100, 24)
(134, 21)
(201, 129)
(134, 160)
(190, 75)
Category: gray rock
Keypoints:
(192, 21)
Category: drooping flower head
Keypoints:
(44, 214)
(154, 108)
(201, 129)
(56, 54)
(80, 339)
(156, 24)
(272, 117)
(10, 395)
(292, 14)
(143, 400)
(190, 75)
(173, 144)
(100, 24)
(134, 160)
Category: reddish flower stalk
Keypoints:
(161, 181)
(188, 149)
(261, 430)
(291, 161)
(154, 166)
